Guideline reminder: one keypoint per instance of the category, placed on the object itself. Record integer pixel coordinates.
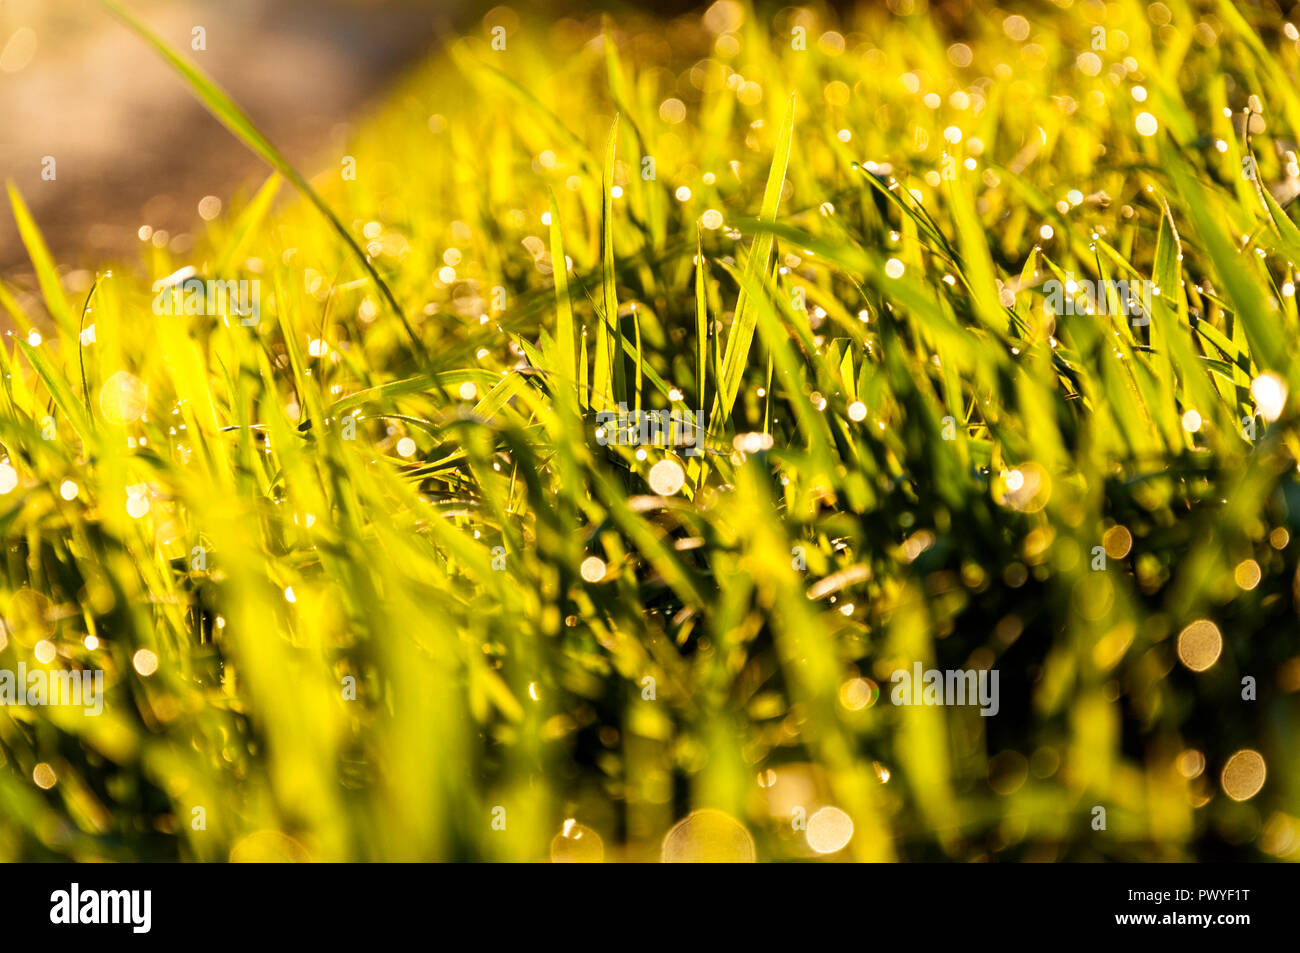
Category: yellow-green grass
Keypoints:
(942, 459)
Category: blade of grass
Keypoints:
(233, 118)
(46, 274)
(565, 343)
(742, 329)
(609, 293)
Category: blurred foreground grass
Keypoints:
(366, 585)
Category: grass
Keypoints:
(365, 585)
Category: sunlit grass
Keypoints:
(365, 584)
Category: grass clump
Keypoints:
(369, 580)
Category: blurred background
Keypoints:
(131, 144)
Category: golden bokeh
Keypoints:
(859, 693)
(1247, 574)
(1117, 542)
(577, 844)
(1191, 763)
(829, 830)
(1243, 775)
(1199, 645)
(593, 569)
(1027, 488)
(708, 836)
(672, 110)
(145, 662)
(44, 776)
(123, 398)
(667, 477)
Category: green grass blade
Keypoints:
(565, 342)
(701, 324)
(609, 293)
(233, 118)
(741, 337)
(46, 274)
